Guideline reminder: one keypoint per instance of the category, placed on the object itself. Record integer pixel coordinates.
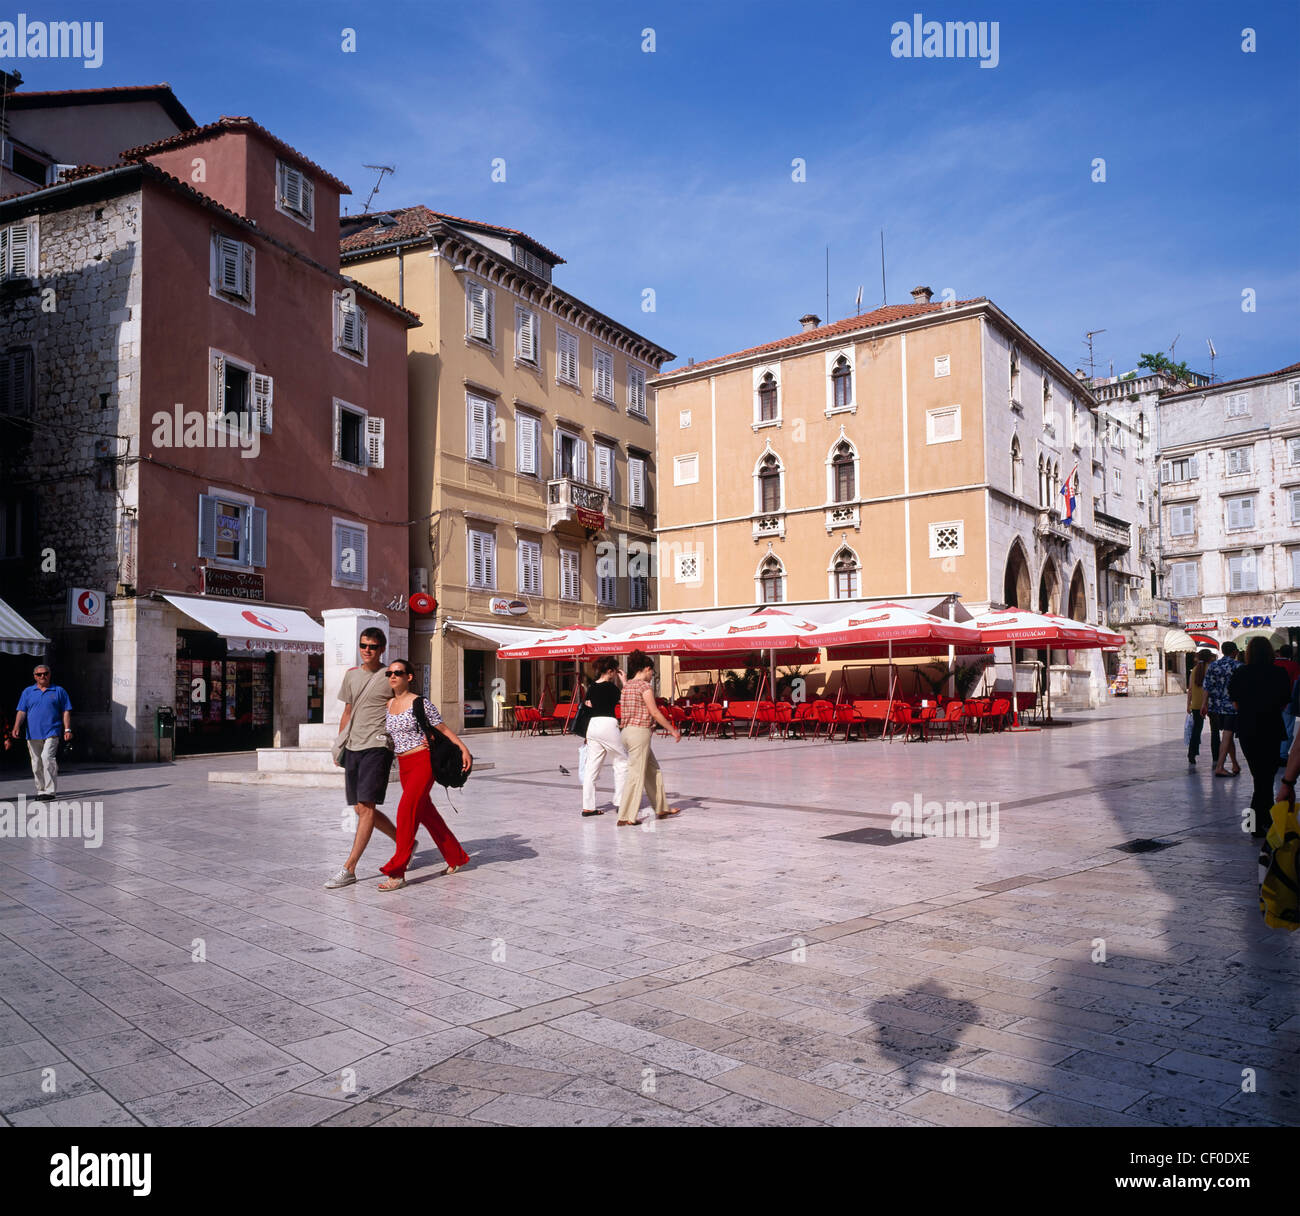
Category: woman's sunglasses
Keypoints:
(403, 674)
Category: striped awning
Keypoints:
(17, 636)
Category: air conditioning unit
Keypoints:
(419, 579)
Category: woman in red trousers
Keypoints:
(415, 765)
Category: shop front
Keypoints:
(481, 684)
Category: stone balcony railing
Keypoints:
(842, 517)
(1143, 611)
(1111, 529)
(769, 525)
(569, 500)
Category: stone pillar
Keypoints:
(343, 628)
(289, 708)
(144, 674)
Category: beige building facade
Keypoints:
(918, 450)
(532, 453)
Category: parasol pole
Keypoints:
(1015, 700)
(889, 713)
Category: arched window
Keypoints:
(842, 380)
(769, 483)
(846, 575)
(1017, 468)
(1014, 371)
(767, 398)
(771, 578)
(1056, 485)
(844, 473)
(1042, 481)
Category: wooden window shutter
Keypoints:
(604, 467)
(246, 274)
(263, 390)
(362, 331)
(347, 323)
(257, 536)
(217, 387)
(308, 198)
(1191, 468)
(375, 442)
(580, 463)
(20, 248)
(636, 481)
(478, 428)
(207, 526)
(6, 241)
(489, 560)
(526, 444)
(230, 266)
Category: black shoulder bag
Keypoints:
(443, 753)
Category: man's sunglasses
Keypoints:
(391, 674)
(369, 646)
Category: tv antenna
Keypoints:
(382, 169)
(1214, 354)
(1171, 347)
(857, 304)
(1092, 362)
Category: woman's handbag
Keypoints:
(1187, 730)
(580, 722)
(444, 755)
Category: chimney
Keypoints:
(921, 294)
(810, 320)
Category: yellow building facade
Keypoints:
(532, 453)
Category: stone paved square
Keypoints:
(750, 963)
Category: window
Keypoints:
(688, 568)
(1237, 404)
(480, 309)
(1141, 492)
(349, 325)
(1181, 469)
(1237, 460)
(1184, 579)
(482, 559)
(349, 435)
(351, 541)
(948, 539)
(481, 420)
(530, 567)
(603, 380)
(18, 255)
(686, 469)
(941, 366)
(845, 575)
(566, 349)
(570, 456)
(1049, 419)
(1293, 451)
(771, 581)
(525, 336)
(605, 469)
(1182, 520)
(1117, 481)
(638, 592)
(1294, 497)
(17, 382)
(769, 484)
(235, 389)
(844, 473)
(528, 444)
(607, 590)
(841, 384)
(684, 419)
(1293, 392)
(944, 425)
(1295, 567)
(1241, 514)
(232, 270)
(570, 580)
(294, 193)
(767, 398)
(1242, 572)
(636, 487)
(1014, 373)
(636, 391)
(1044, 471)
(231, 530)
(1017, 468)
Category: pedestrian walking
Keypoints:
(46, 710)
(415, 768)
(1259, 691)
(367, 751)
(1221, 713)
(1196, 704)
(639, 713)
(603, 735)
(1286, 661)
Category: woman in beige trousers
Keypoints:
(638, 713)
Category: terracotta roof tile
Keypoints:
(412, 222)
(1218, 384)
(229, 123)
(881, 316)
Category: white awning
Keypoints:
(17, 636)
(1288, 616)
(251, 626)
(1177, 641)
(493, 636)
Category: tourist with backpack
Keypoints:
(424, 745)
(1258, 691)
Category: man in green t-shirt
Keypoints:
(367, 750)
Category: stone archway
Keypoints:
(1016, 587)
(1049, 588)
(1078, 605)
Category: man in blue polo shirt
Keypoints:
(48, 713)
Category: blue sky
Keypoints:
(672, 170)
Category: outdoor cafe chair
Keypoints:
(977, 711)
(784, 718)
(823, 715)
(1000, 712)
(899, 715)
(847, 717)
(803, 715)
(953, 719)
(922, 717)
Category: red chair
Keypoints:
(899, 716)
(824, 715)
(847, 717)
(765, 715)
(695, 718)
(953, 719)
(716, 717)
(1000, 712)
(784, 718)
(803, 715)
(977, 712)
(921, 718)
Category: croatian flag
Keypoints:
(1067, 492)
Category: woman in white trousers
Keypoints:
(603, 735)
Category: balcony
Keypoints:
(570, 501)
(1051, 527)
(769, 525)
(1144, 610)
(842, 517)
(1111, 530)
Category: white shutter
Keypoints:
(217, 387)
(207, 526)
(20, 244)
(490, 560)
(263, 389)
(347, 322)
(636, 481)
(375, 442)
(1295, 506)
(1247, 512)
(605, 468)
(526, 444)
(480, 426)
(1191, 468)
(1166, 472)
(567, 344)
(230, 266)
(257, 537)
(308, 198)
(478, 312)
(580, 464)
(525, 336)
(6, 240)
(476, 559)
(290, 188)
(1234, 514)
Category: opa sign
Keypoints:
(1252, 622)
